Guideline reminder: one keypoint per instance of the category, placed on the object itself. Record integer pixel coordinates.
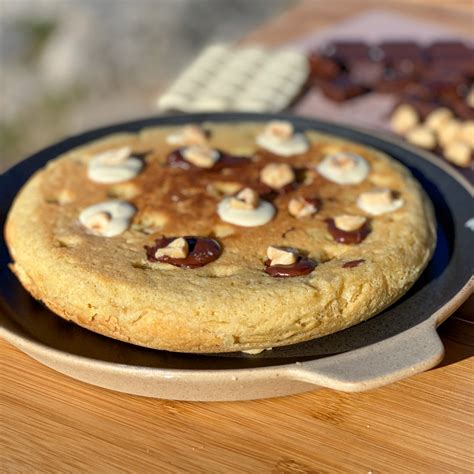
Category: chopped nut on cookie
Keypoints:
(279, 137)
(178, 248)
(349, 223)
(201, 156)
(279, 130)
(302, 207)
(379, 201)
(190, 135)
(113, 157)
(279, 256)
(277, 175)
(98, 222)
(245, 199)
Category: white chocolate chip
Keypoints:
(177, 248)
(404, 118)
(114, 166)
(245, 199)
(458, 153)
(349, 223)
(261, 215)
(344, 168)
(278, 256)
(378, 201)
(299, 207)
(108, 218)
(279, 138)
(422, 137)
(438, 118)
(277, 175)
(189, 135)
(200, 156)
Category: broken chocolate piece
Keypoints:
(341, 88)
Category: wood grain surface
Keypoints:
(51, 423)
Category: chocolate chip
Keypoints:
(345, 237)
(342, 88)
(202, 251)
(303, 266)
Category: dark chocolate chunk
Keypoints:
(302, 266)
(345, 237)
(347, 50)
(394, 81)
(450, 49)
(202, 251)
(341, 88)
(324, 68)
(176, 160)
(366, 73)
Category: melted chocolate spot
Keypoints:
(202, 251)
(302, 266)
(353, 263)
(176, 160)
(344, 237)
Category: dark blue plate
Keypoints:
(444, 278)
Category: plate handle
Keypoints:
(408, 353)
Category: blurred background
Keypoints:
(71, 65)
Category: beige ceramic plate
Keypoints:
(399, 342)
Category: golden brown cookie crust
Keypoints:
(108, 286)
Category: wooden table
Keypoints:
(51, 423)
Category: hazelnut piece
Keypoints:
(277, 175)
(438, 118)
(279, 256)
(246, 199)
(98, 222)
(114, 157)
(422, 137)
(449, 133)
(404, 118)
(194, 135)
(348, 223)
(201, 156)
(466, 133)
(177, 248)
(458, 153)
(279, 130)
(300, 207)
